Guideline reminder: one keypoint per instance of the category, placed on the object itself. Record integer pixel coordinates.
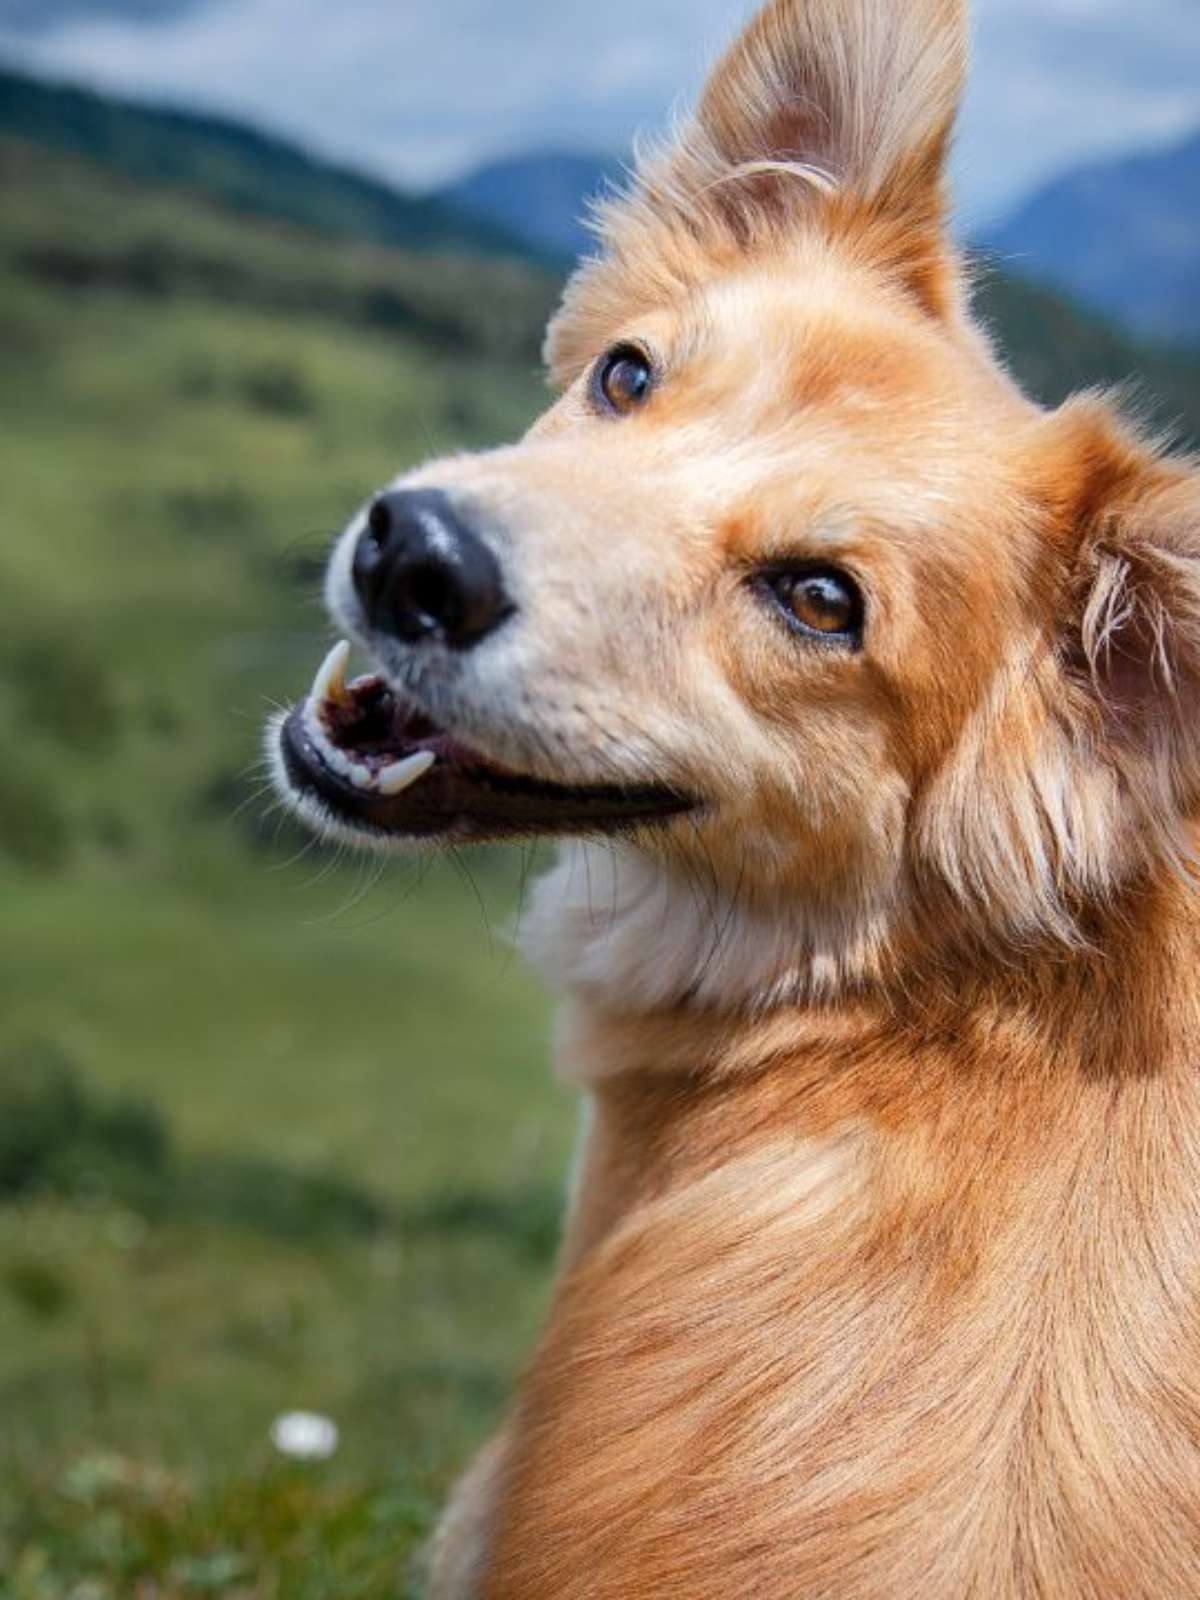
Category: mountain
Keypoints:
(238, 166)
(105, 195)
(1124, 236)
(542, 197)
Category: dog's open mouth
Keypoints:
(380, 767)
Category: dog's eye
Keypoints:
(819, 602)
(623, 380)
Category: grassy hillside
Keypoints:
(267, 1140)
(239, 166)
(272, 1135)
(1056, 347)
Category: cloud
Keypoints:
(42, 16)
(1059, 83)
(419, 89)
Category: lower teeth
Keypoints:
(330, 691)
(402, 775)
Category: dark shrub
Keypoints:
(279, 390)
(211, 511)
(42, 1114)
(63, 688)
(528, 1219)
(33, 829)
(58, 1136)
(269, 1198)
(37, 1286)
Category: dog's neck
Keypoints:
(630, 934)
(979, 1091)
(681, 978)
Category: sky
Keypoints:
(420, 90)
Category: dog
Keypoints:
(863, 694)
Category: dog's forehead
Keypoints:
(802, 374)
(800, 341)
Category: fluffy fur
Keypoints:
(882, 1270)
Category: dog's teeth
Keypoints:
(402, 775)
(329, 685)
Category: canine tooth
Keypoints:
(330, 681)
(402, 775)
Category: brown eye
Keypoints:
(820, 602)
(623, 380)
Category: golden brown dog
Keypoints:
(880, 686)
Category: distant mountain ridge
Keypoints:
(159, 181)
(1124, 236)
(237, 165)
(542, 196)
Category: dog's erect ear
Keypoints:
(833, 114)
(843, 108)
(864, 93)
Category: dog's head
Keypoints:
(791, 588)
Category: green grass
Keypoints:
(171, 470)
(393, 1046)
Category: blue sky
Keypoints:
(420, 89)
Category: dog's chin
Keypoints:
(359, 763)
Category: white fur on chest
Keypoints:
(630, 935)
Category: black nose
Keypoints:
(421, 572)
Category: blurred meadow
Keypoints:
(276, 1130)
(272, 1135)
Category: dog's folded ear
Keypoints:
(1081, 767)
(838, 112)
(1133, 617)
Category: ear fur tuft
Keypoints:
(1082, 771)
(1133, 521)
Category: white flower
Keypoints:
(304, 1436)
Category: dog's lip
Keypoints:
(377, 764)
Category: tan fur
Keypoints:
(882, 1271)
